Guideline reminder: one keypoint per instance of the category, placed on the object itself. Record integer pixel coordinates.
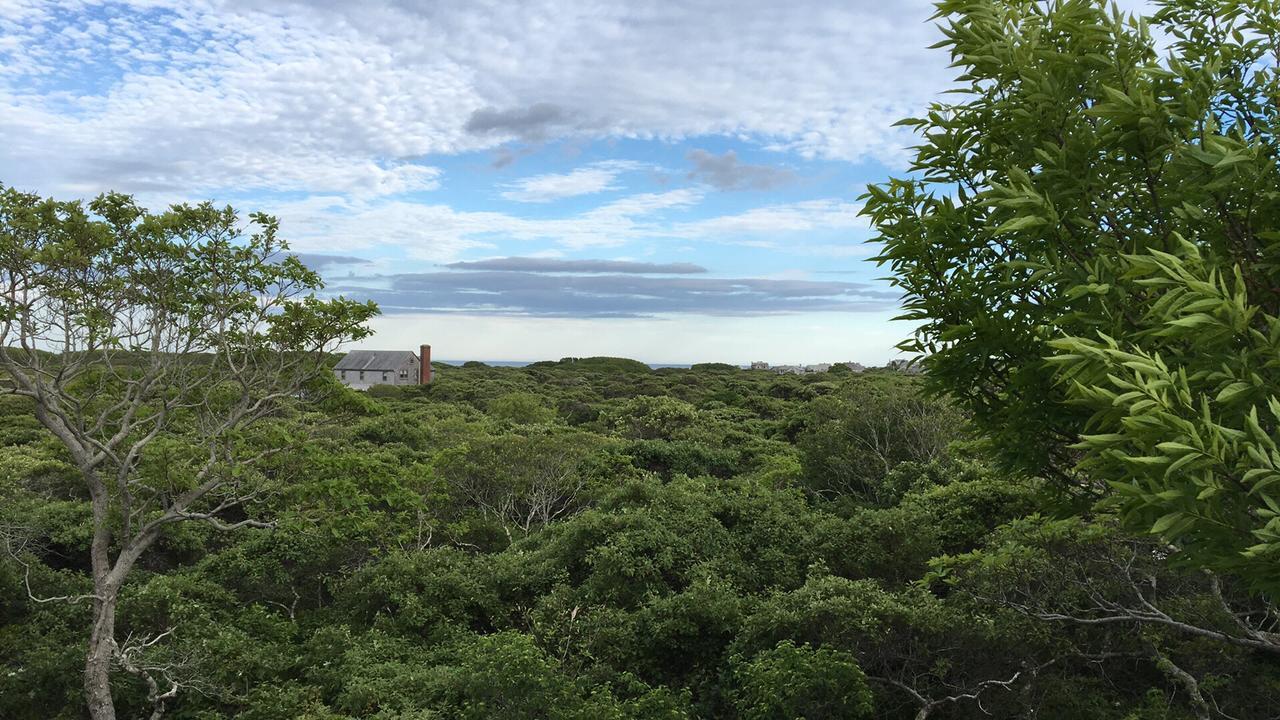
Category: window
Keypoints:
(361, 374)
(384, 376)
(343, 374)
(404, 373)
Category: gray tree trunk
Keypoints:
(102, 637)
(97, 665)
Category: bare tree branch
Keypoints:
(928, 704)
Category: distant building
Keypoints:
(910, 367)
(805, 369)
(362, 369)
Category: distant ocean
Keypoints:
(522, 363)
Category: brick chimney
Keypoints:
(424, 355)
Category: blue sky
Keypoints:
(674, 182)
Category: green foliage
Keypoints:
(684, 457)
(1088, 578)
(521, 409)
(193, 263)
(432, 594)
(1089, 252)
(779, 471)
(714, 367)
(850, 444)
(525, 481)
(651, 418)
(607, 365)
(800, 682)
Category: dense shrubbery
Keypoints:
(727, 544)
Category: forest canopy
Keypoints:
(658, 544)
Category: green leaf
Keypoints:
(1165, 522)
(1233, 391)
(1230, 160)
(1020, 223)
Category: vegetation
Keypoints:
(1087, 247)
(651, 544)
(1091, 248)
(171, 335)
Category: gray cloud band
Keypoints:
(319, 261)
(531, 123)
(725, 172)
(598, 296)
(555, 265)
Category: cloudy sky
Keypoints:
(670, 181)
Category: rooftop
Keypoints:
(374, 360)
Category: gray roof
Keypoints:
(374, 360)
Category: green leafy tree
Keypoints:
(148, 344)
(648, 417)
(521, 408)
(522, 481)
(795, 682)
(1087, 580)
(1090, 250)
(852, 442)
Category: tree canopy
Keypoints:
(147, 344)
(1089, 247)
(425, 554)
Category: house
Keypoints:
(909, 366)
(800, 369)
(362, 369)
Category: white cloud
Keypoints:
(348, 97)
(330, 96)
(645, 204)
(440, 233)
(593, 178)
(235, 101)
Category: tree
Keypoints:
(1090, 249)
(1113, 597)
(800, 682)
(521, 408)
(852, 442)
(649, 417)
(521, 481)
(148, 344)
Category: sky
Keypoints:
(675, 182)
